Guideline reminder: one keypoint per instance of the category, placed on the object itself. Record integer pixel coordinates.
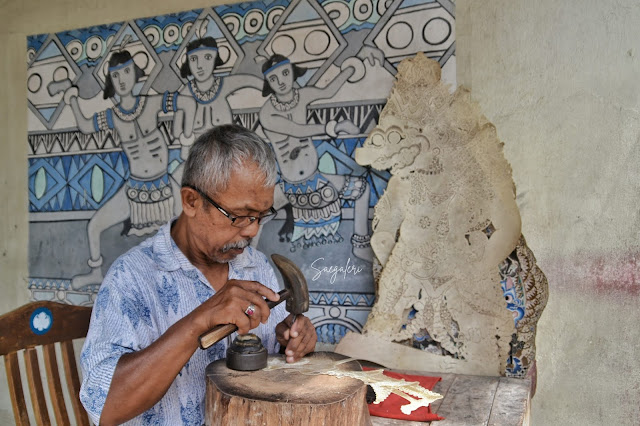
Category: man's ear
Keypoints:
(191, 201)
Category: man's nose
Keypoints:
(251, 230)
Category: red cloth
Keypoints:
(390, 407)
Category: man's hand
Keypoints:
(298, 338)
(229, 304)
(138, 382)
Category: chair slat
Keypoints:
(35, 387)
(73, 382)
(55, 385)
(44, 324)
(15, 389)
(69, 322)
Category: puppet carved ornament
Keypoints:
(457, 280)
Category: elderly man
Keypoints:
(141, 360)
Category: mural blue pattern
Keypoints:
(74, 174)
(78, 182)
(68, 182)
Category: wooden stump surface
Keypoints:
(284, 396)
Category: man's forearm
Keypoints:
(142, 378)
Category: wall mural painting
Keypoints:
(113, 110)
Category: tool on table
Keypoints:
(246, 353)
(295, 292)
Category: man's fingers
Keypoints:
(261, 311)
(294, 326)
(260, 289)
(309, 342)
(253, 287)
(298, 347)
(253, 292)
(302, 343)
(243, 323)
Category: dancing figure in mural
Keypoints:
(150, 196)
(208, 90)
(447, 234)
(316, 197)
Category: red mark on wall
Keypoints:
(602, 275)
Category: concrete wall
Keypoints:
(560, 81)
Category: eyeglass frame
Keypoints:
(261, 219)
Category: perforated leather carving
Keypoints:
(447, 229)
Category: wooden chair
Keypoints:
(44, 324)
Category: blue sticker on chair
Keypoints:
(41, 320)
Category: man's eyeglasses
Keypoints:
(237, 221)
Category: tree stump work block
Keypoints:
(285, 396)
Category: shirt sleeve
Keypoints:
(120, 324)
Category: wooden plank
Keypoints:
(15, 389)
(55, 385)
(468, 401)
(382, 421)
(471, 400)
(73, 382)
(35, 387)
(511, 403)
(442, 387)
(69, 322)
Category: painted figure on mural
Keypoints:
(208, 90)
(150, 196)
(316, 197)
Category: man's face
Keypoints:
(202, 63)
(219, 241)
(124, 79)
(281, 79)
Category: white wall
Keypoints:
(561, 81)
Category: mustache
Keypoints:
(237, 245)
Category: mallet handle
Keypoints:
(221, 331)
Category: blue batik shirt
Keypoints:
(145, 292)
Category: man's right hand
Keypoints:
(229, 304)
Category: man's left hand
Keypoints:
(298, 338)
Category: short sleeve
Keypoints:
(119, 324)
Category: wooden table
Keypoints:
(474, 400)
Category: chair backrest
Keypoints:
(44, 324)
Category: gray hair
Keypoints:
(220, 150)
